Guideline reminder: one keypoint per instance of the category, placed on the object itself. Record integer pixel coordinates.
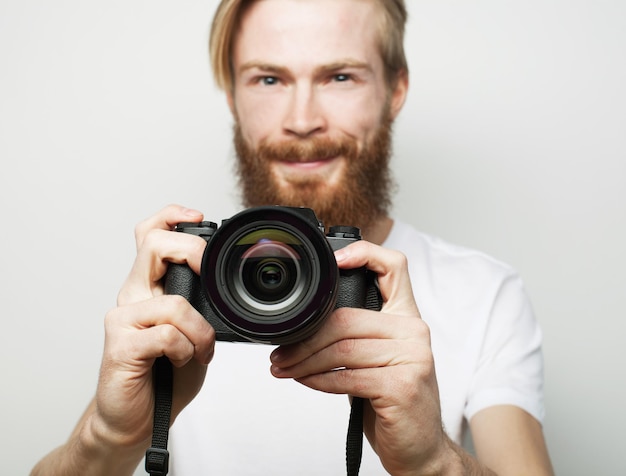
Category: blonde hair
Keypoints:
(228, 15)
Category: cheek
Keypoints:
(259, 118)
(359, 116)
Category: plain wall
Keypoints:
(512, 141)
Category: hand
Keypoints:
(148, 324)
(115, 430)
(383, 357)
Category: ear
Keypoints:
(399, 93)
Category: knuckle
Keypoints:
(208, 337)
(177, 305)
(346, 347)
(343, 318)
(111, 319)
(168, 335)
(421, 330)
(344, 376)
(423, 365)
(140, 231)
(399, 259)
(176, 302)
(174, 306)
(150, 238)
(153, 243)
(352, 379)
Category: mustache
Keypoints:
(305, 150)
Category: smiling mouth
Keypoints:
(308, 163)
(322, 168)
(325, 166)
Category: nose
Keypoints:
(304, 116)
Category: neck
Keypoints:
(378, 231)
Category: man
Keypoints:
(314, 86)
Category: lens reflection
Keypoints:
(269, 276)
(269, 271)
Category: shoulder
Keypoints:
(437, 259)
(459, 286)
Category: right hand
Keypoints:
(147, 324)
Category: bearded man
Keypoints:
(314, 87)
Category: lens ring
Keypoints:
(320, 275)
(246, 282)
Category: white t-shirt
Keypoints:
(487, 350)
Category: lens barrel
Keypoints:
(270, 274)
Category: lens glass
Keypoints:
(268, 273)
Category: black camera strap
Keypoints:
(157, 456)
(354, 440)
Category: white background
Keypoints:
(513, 141)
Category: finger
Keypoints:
(166, 325)
(347, 324)
(371, 383)
(166, 219)
(166, 340)
(410, 368)
(392, 269)
(159, 248)
(351, 354)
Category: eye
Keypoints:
(268, 80)
(341, 77)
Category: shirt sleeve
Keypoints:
(509, 370)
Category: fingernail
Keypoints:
(277, 356)
(341, 255)
(191, 212)
(276, 370)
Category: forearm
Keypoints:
(72, 460)
(87, 453)
(451, 460)
(462, 462)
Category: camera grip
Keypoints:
(358, 288)
(182, 280)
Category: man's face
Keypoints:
(313, 111)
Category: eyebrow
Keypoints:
(325, 68)
(266, 67)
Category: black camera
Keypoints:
(269, 275)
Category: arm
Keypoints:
(82, 454)
(510, 441)
(115, 430)
(386, 358)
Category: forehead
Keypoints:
(308, 31)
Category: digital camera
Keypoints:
(269, 275)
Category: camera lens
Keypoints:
(271, 280)
(270, 274)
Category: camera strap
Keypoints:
(157, 456)
(354, 440)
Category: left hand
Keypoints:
(384, 357)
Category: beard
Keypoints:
(360, 196)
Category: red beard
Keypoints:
(361, 196)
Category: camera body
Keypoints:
(269, 275)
